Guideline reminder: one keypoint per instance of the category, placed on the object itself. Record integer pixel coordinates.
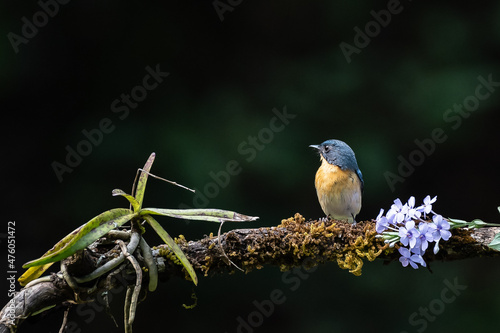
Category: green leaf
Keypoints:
(32, 273)
(143, 178)
(477, 223)
(457, 220)
(212, 215)
(173, 246)
(67, 244)
(456, 223)
(99, 231)
(495, 243)
(131, 199)
(117, 216)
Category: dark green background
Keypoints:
(225, 79)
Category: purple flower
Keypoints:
(413, 213)
(426, 208)
(441, 228)
(382, 224)
(417, 250)
(398, 224)
(391, 214)
(436, 247)
(409, 234)
(408, 258)
(399, 211)
(425, 235)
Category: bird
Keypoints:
(339, 182)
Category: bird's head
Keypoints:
(337, 153)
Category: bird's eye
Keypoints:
(327, 149)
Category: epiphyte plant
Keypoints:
(106, 223)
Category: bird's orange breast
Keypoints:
(339, 191)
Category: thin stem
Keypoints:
(166, 180)
(394, 229)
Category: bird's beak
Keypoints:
(314, 146)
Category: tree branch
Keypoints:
(293, 243)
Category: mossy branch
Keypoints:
(294, 242)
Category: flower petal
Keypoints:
(398, 203)
(413, 264)
(404, 252)
(436, 247)
(404, 261)
(410, 225)
(445, 234)
(380, 214)
(411, 202)
(413, 242)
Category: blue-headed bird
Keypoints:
(339, 182)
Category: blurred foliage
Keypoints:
(225, 79)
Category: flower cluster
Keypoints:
(399, 225)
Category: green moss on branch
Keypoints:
(294, 242)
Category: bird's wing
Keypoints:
(360, 175)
